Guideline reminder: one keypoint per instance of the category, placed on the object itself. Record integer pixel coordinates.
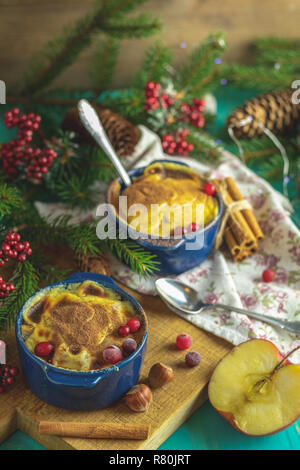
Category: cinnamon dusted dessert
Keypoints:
(173, 197)
(73, 326)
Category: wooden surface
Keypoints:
(25, 25)
(171, 406)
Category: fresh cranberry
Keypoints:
(124, 330)
(209, 189)
(184, 341)
(112, 354)
(268, 275)
(134, 324)
(44, 349)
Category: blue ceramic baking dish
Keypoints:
(175, 258)
(75, 390)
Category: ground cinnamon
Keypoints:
(95, 430)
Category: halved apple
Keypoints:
(255, 389)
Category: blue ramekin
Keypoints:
(177, 258)
(75, 390)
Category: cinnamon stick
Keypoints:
(95, 430)
(242, 230)
(247, 213)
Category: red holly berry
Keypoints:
(209, 189)
(268, 275)
(17, 156)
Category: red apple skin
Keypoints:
(228, 416)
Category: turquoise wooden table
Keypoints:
(205, 430)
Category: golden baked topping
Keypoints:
(80, 321)
(172, 195)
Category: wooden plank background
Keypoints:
(26, 24)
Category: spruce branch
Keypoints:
(154, 67)
(10, 199)
(103, 63)
(25, 279)
(143, 25)
(62, 51)
(201, 65)
(139, 260)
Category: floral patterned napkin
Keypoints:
(218, 279)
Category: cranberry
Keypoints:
(209, 189)
(124, 330)
(192, 359)
(129, 345)
(112, 354)
(134, 324)
(184, 341)
(268, 275)
(44, 349)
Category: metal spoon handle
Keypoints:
(293, 327)
(92, 123)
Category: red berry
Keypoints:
(268, 275)
(112, 355)
(22, 257)
(14, 371)
(124, 330)
(134, 324)
(192, 359)
(44, 349)
(129, 345)
(10, 380)
(209, 189)
(184, 341)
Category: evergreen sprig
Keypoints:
(155, 65)
(140, 261)
(10, 199)
(103, 63)
(143, 25)
(59, 53)
(200, 71)
(25, 279)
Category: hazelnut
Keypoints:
(160, 374)
(138, 398)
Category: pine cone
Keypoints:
(274, 110)
(91, 264)
(122, 134)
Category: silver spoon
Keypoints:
(185, 299)
(92, 123)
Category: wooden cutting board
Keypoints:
(171, 406)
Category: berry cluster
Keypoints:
(5, 289)
(7, 376)
(14, 248)
(177, 144)
(194, 112)
(27, 124)
(155, 98)
(17, 156)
